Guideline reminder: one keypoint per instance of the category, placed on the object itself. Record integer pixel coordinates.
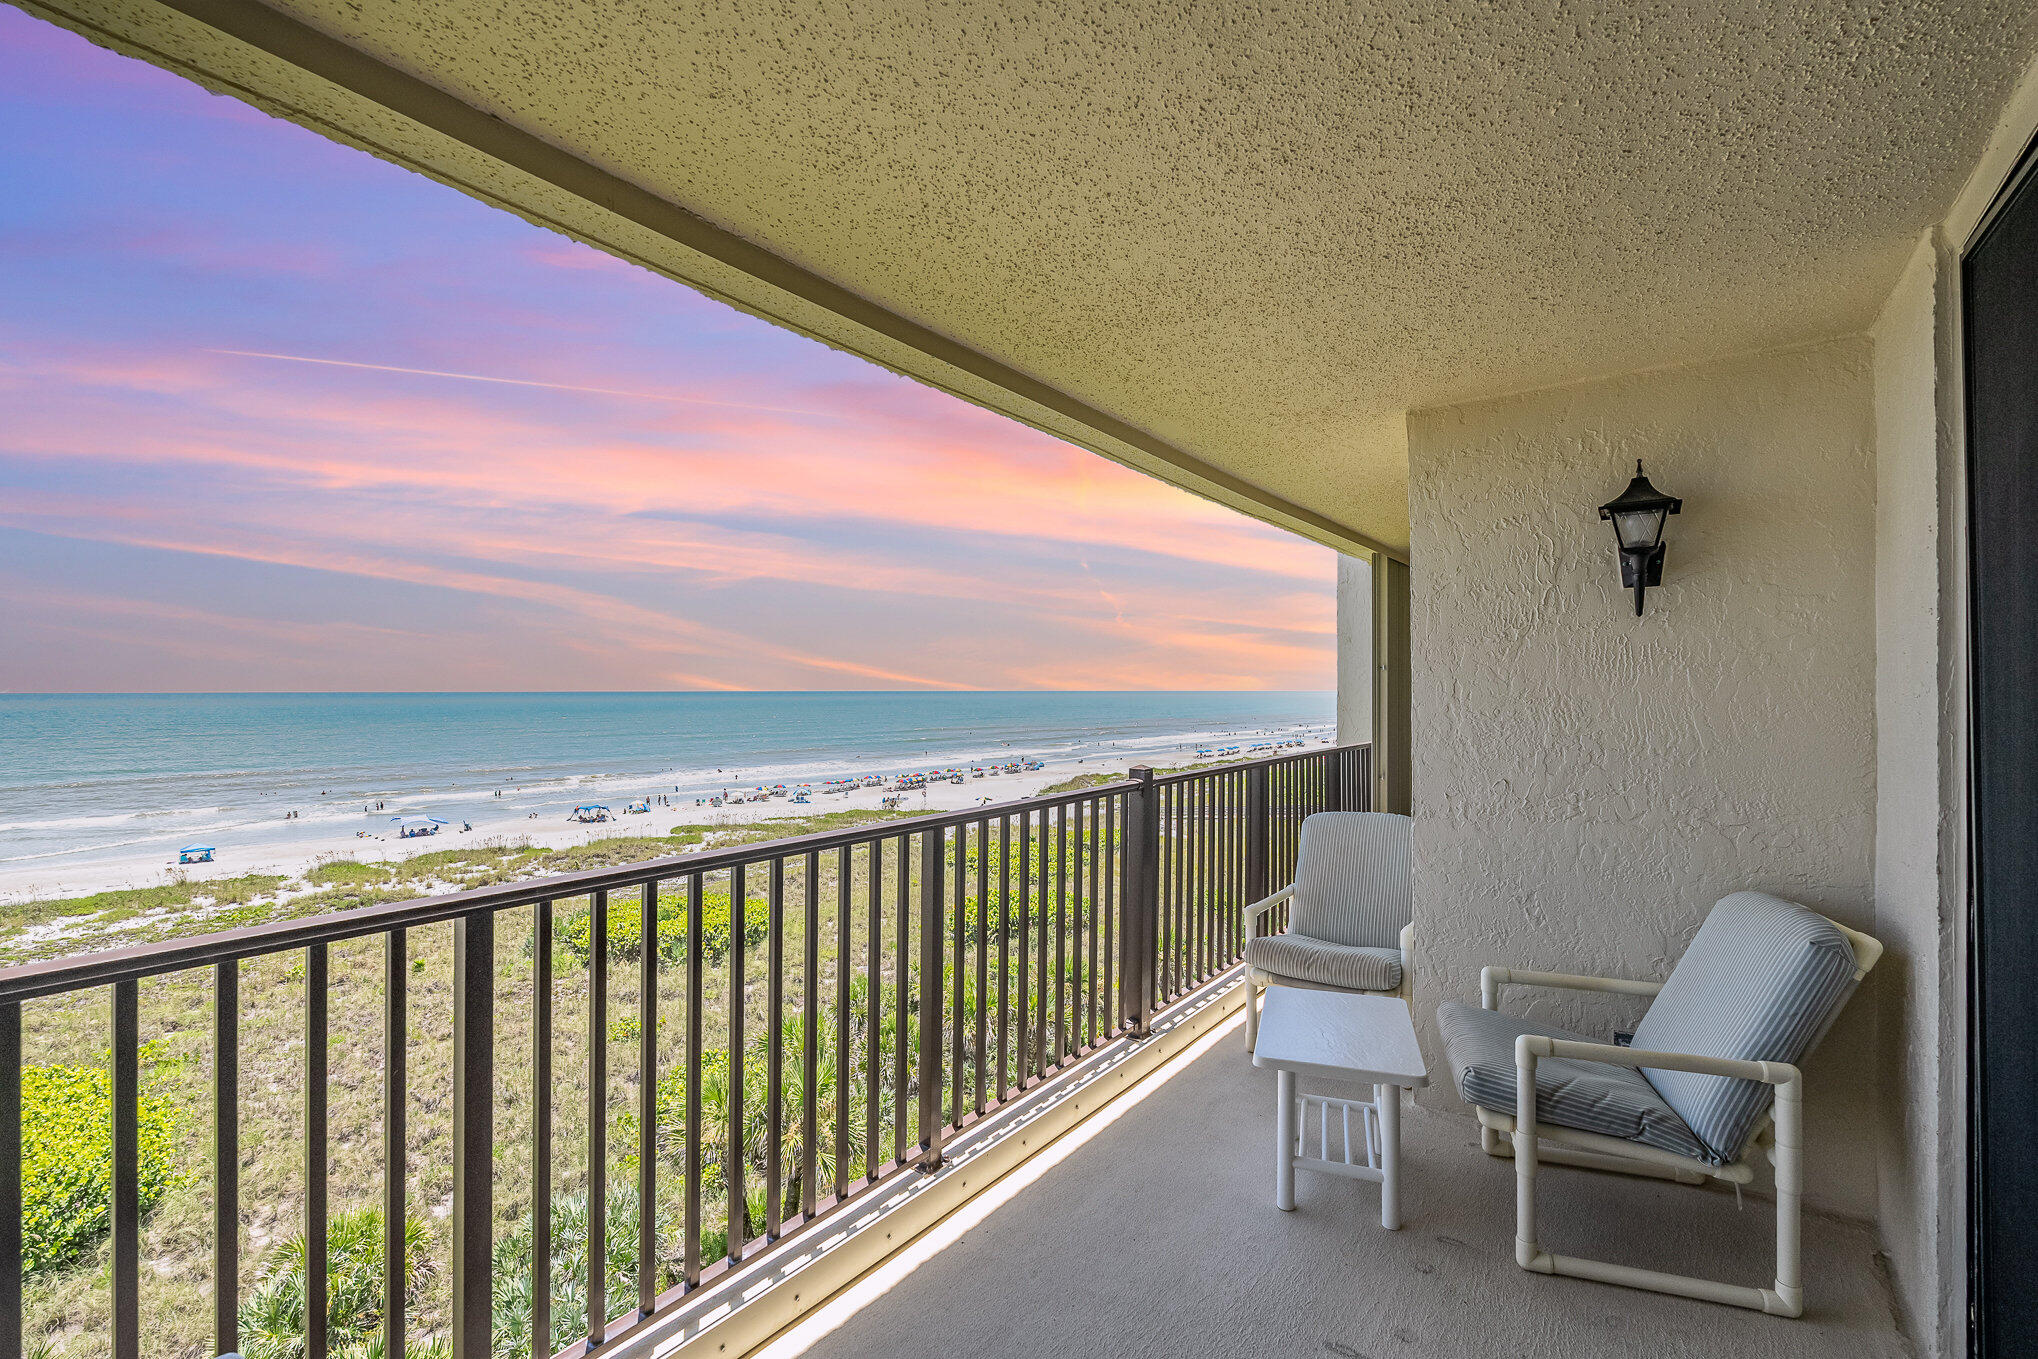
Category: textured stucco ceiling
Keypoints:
(1261, 232)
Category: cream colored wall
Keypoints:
(1918, 1130)
(1588, 783)
(1354, 650)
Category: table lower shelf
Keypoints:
(1358, 1139)
(1349, 1127)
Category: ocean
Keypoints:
(95, 782)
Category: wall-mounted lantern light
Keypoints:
(1638, 514)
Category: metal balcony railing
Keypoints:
(930, 970)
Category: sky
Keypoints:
(276, 415)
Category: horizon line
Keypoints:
(634, 693)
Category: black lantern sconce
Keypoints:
(1638, 514)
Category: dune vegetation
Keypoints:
(68, 1296)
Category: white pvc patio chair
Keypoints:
(1708, 1084)
(1350, 924)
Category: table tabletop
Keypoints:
(1339, 1036)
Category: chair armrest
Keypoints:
(1260, 908)
(1491, 979)
(1531, 1047)
(1407, 988)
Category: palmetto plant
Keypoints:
(272, 1316)
(511, 1267)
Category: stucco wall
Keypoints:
(1588, 783)
(1915, 1160)
(1354, 650)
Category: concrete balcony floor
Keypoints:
(1158, 1237)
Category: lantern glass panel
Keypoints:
(1638, 528)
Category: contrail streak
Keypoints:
(527, 382)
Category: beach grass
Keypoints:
(174, 895)
(70, 1308)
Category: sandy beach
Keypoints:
(329, 838)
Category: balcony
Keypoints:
(740, 1037)
(1153, 1231)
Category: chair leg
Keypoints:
(1787, 1156)
(1252, 1014)
(1786, 1299)
(1527, 1253)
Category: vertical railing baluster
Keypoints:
(696, 1005)
(1073, 832)
(1109, 877)
(1213, 872)
(982, 932)
(1233, 827)
(10, 1179)
(1185, 889)
(733, 1165)
(1205, 873)
(395, 1096)
(873, 998)
(1061, 930)
(315, 1187)
(1100, 921)
(843, 961)
(541, 1130)
(1045, 842)
(1185, 861)
(597, 1117)
(126, 1187)
(955, 965)
(473, 1131)
(1078, 921)
(1216, 907)
(1024, 1018)
(902, 974)
(1242, 822)
(1221, 905)
(1187, 831)
(226, 1159)
(810, 1040)
(1004, 953)
(933, 856)
(1171, 888)
(647, 1101)
(1081, 858)
(774, 1055)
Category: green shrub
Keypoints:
(510, 1301)
(272, 1317)
(67, 1160)
(626, 928)
(345, 873)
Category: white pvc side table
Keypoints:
(1349, 1040)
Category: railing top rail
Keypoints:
(1265, 761)
(28, 981)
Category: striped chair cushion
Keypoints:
(1760, 982)
(1312, 960)
(1351, 879)
(1591, 1096)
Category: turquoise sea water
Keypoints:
(88, 777)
